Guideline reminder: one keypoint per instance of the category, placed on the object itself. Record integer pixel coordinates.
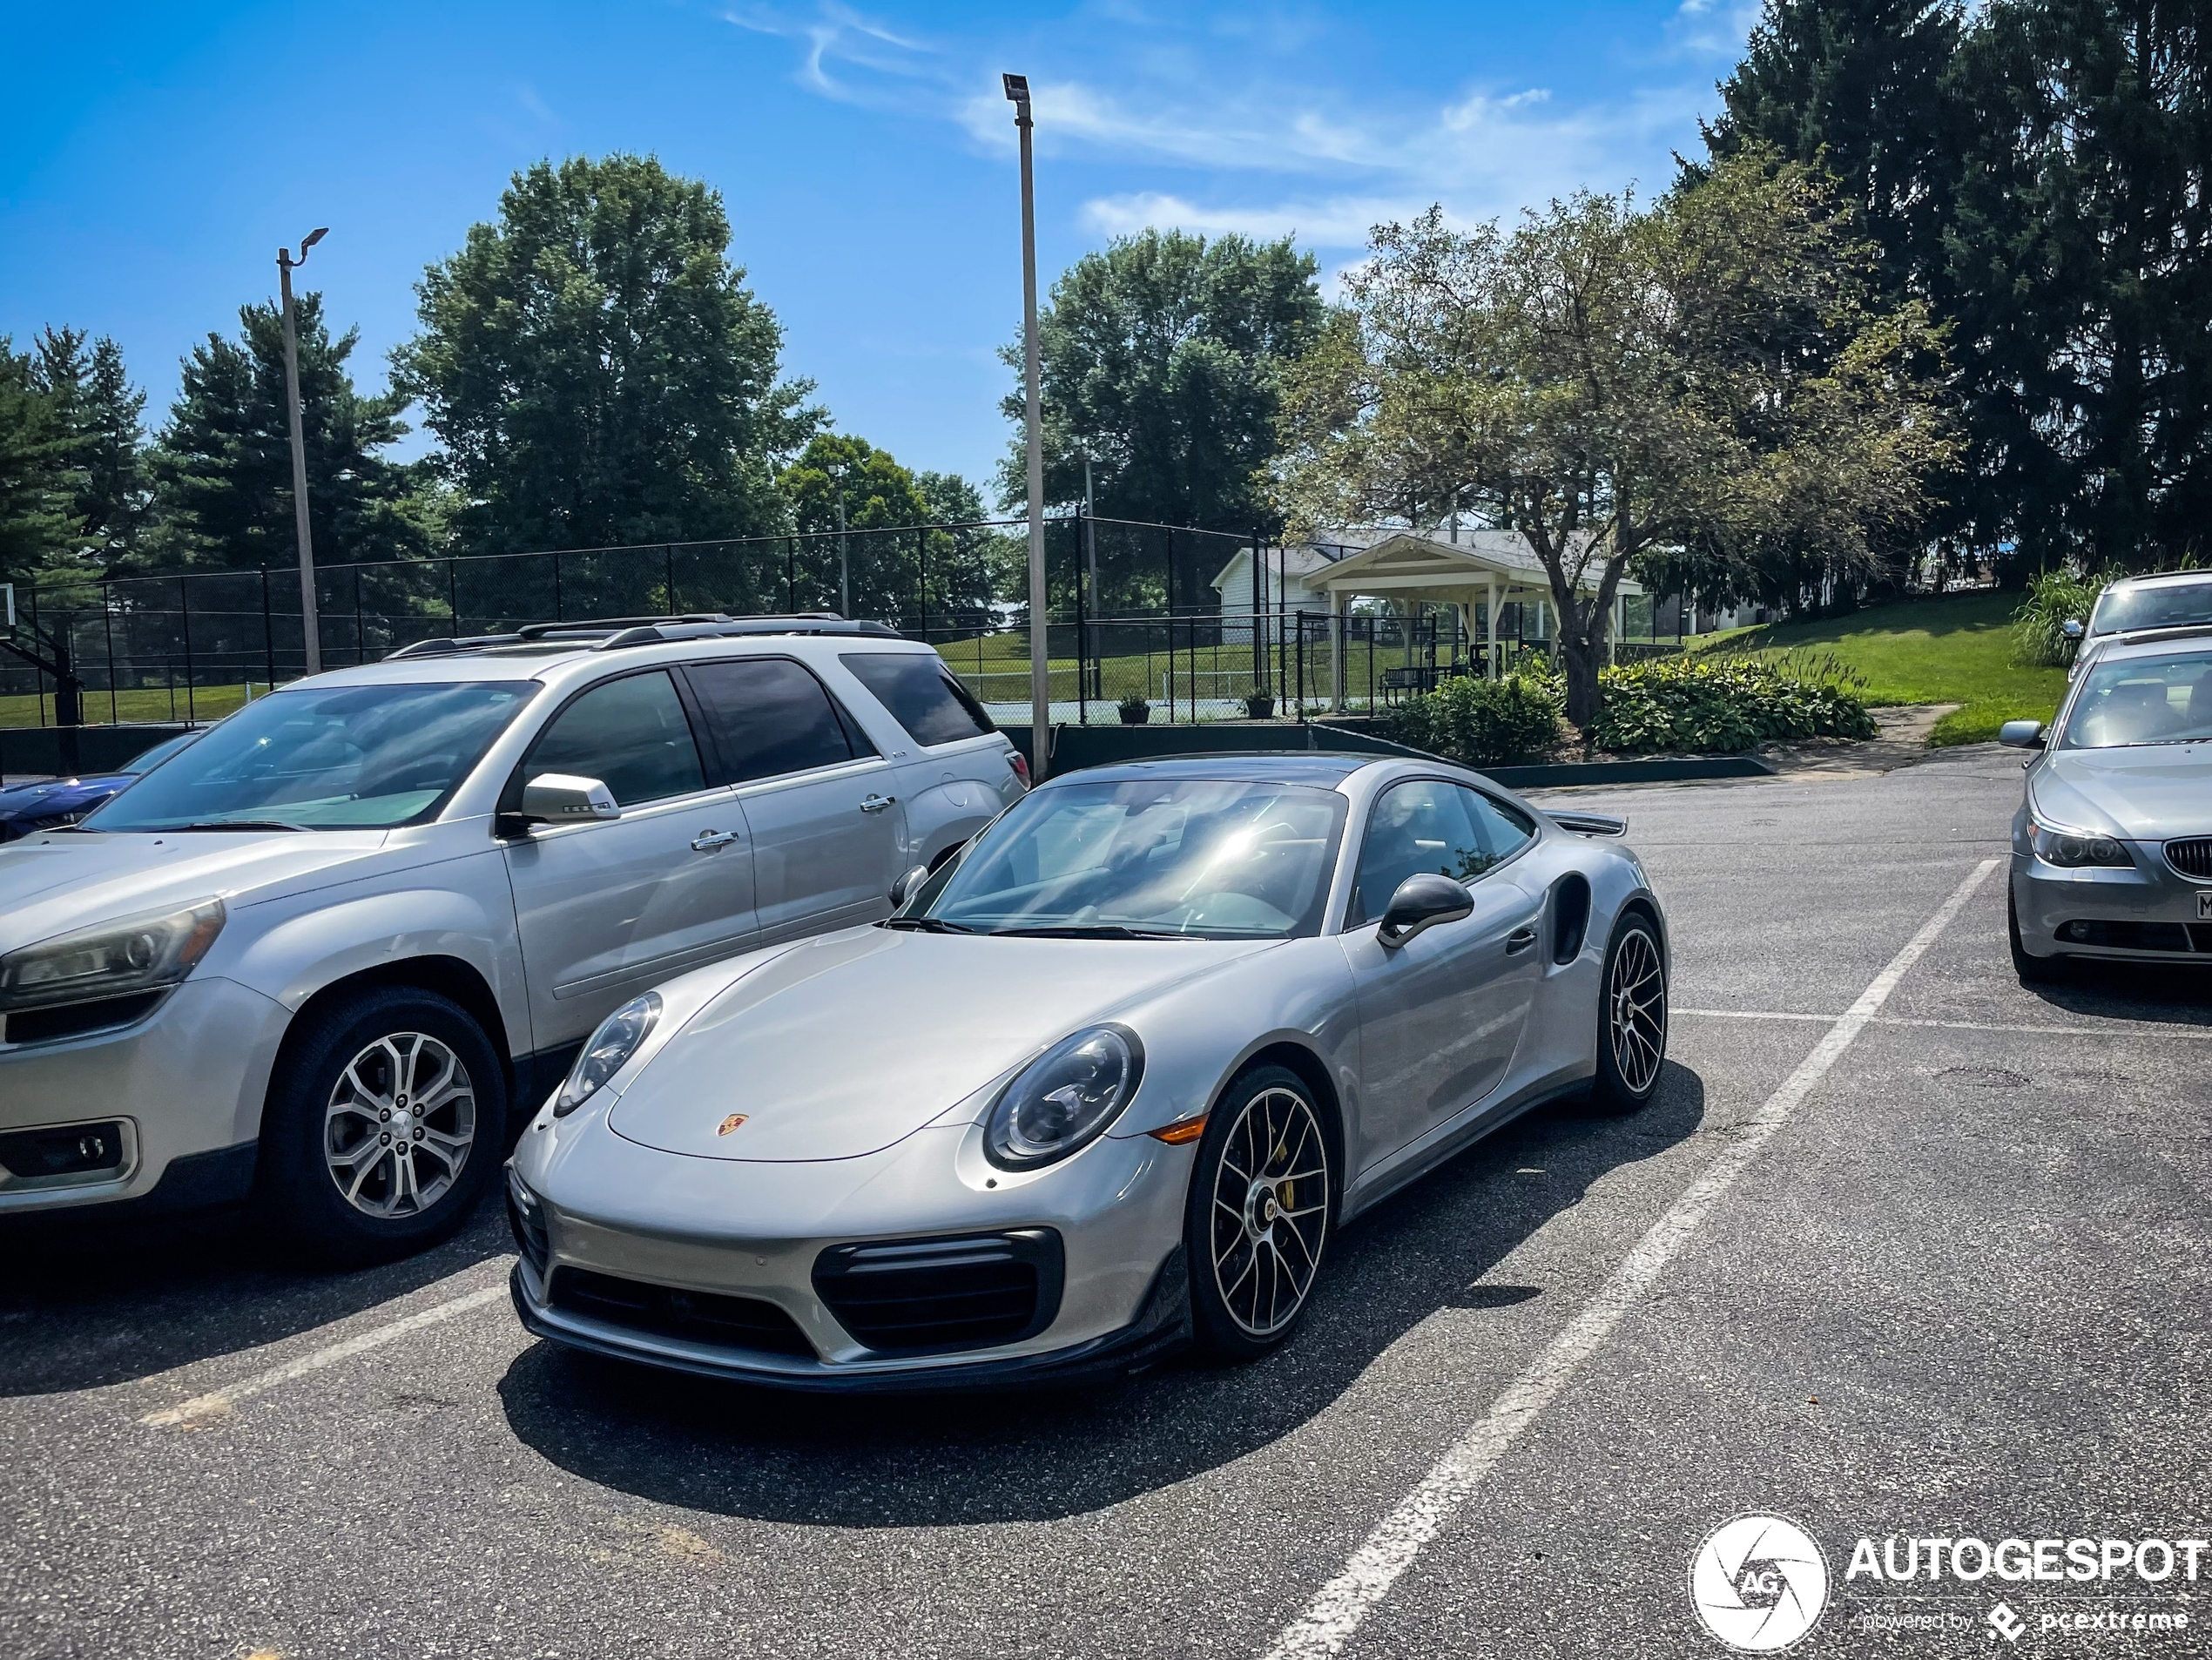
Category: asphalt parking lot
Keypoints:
(1902, 1249)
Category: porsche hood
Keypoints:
(845, 1043)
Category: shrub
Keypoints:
(1480, 723)
(2054, 597)
(1689, 704)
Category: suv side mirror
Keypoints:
(2021, 734)
(907, 883)
(1421, 903)
(562, 797)
(2071, 627)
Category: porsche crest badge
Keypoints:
(730, 1122)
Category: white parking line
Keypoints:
(2116, 1028)
(218, 1402)
(1335, 1611)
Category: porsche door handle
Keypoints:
(876, 803)
(1518, 940)
(708, 841)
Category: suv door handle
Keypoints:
(876, 803)
(707, 841)
(1518, 940)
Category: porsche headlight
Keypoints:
(606, 1052)
(2074, 848)
(1064, 1100)
(113, 959)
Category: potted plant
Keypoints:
(1135, 711)
(1259, 705)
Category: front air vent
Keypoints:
(688, 1316)
(80, 1020)
(527, 1220)
(2126, 936)
(2192, 858)
(929, 1296)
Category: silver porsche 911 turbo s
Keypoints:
(1105, 1084)
(2112, 845)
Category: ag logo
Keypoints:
(1758, 1583)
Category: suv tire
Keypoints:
(386, 1118)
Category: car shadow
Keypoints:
(863, 1461)
(92, 1301)
(2118, 990)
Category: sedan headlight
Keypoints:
(2074, 848)
(113, 959)
(1064, 1100)
(610, 1047)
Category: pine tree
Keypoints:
(36, 448)
(102, 416)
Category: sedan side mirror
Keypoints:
(2071, 627)
(1421, 903)
(906, 884)
(2021, 734)
(562, 797)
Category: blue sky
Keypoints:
(153, 156)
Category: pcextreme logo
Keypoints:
(1759, 1583)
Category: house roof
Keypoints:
(1298, 561)
(1421, 567)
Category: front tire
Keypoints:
(1263, 1198)
(1632, 1016)
(386, 1118)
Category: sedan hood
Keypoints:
(847, 1043)
(2143, 792)
(52, 883)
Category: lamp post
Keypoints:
(1017, 92)
(310, 625)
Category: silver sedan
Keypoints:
(2112, 845)
(1105, 1085)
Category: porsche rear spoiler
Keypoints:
(1589, 824)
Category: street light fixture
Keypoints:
(1017, 93)
(310, 623)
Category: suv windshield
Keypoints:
(334, 758)
(1206, 858)
(2143, 701)
(2164, 604)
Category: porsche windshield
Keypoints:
(331, 758)
(1205, 858)
(2143, 701)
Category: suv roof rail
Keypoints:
(613, 633)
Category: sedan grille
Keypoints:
(690, 1316)
(917, 1296)
(2192, 858)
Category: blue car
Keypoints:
(28, 809)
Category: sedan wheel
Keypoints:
(1265, 1185)
(1632, 1043)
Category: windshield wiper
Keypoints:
(925, 925)
(1096, 931)
(232, 824)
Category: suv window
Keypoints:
(1427, 824)
(631, 734)
(769, 716)
(921, 696)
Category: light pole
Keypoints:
(1017, 92)
(310, 625)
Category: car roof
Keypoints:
(2142, 578)
(2159, 642)
(1266, 766)
(574, 659)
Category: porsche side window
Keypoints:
(1427, 824)
(631, 734)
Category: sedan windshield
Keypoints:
(333, 757)
(2143, 701)
(1203, 858)
(2165, 605)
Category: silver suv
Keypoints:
(317, 954)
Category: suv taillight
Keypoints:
(1019, 763)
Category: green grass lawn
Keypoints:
(207, 703)
(1930, 650)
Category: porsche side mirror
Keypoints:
(2021, 734)
(562, 797)
(2071, 627)
(1421, 903)
(906, 884)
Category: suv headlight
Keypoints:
(1064, 1100)
(2074, 848)
(113, 959)
(608, 1051)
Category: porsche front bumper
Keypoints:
(900, 1269)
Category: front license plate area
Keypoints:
(2203, 906)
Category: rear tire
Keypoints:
(386, 1119)
(1262, 1203)
(1632, 1016)
(2030, 970)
